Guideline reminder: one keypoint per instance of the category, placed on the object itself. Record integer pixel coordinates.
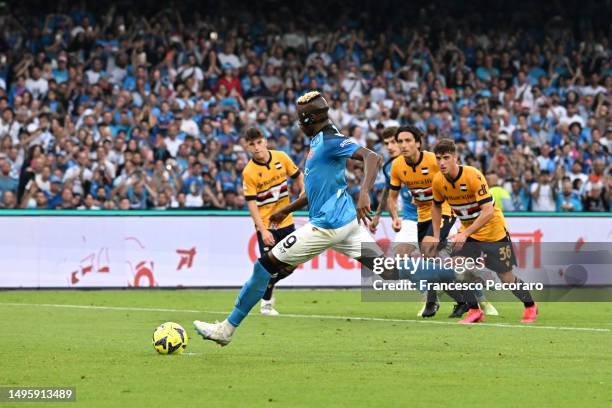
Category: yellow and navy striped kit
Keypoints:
(267, 184)
(418, 178)
(466, 193)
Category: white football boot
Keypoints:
(267, 308)
(220, 333)
(488, 308)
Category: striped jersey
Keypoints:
(266, 183)
(466, 193)
(418, 178)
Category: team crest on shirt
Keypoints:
(260, 174)
(424, 171)
(278, 165)
(463, 187)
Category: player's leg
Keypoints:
(349, 241)
(298, 247)
(406, 242)
(464, 299)
(470, 305)
(267, 302)
(501, 259)
(431, 306)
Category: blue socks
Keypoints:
(251, 293)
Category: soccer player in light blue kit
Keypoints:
(334, 220)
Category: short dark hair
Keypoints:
(388, 132)
(445, 146)
(413, 130)
(253, 133)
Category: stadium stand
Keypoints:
(110, 106)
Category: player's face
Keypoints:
(446, 162)
(392, 146)
(258, 148)
(408, 146)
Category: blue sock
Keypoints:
(251, 293)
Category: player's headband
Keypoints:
(308, 118)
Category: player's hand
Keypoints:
(278, 217)
(429, 245)
(268, 238)
(363, 209)
(397, 224)
(374, 224)
(459, 240)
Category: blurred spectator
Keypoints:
(113, 107)
(543, 193)
(567, 199)
(500, 196)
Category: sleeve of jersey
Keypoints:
(342, 147)
(292, 170)
(394, 181)
(478, 184)
(436, 189)
(386, 169)
(250, 191)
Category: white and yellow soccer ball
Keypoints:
(170, 338)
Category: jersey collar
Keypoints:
(454, 180)
(419, 160)
(266, 164)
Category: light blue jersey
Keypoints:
(409, 210)
(329, 204)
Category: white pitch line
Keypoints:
(301, 316)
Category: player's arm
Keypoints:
(394, 186)
(430, 243)
(383, 201)
(279, 215)
(299, 182)
(478, 186)
(250, 194)
(379, 210)
(486, 213)
(294, 172)
(371, 163)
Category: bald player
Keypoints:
(334, 220)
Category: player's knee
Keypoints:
(273, 265)
(506, 277)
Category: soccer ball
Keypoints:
(170, 338)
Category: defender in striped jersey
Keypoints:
(483, 227)
(416, 169)
(266, 190)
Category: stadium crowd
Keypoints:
(122, 109)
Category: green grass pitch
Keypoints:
(322, 356)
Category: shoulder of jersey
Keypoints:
(429, 155)
(276, 153)
(331, 131)
(472, 171)
(248, 166)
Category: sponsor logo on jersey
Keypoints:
(346, 142)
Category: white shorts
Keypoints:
(309, 241)
(409, 233)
